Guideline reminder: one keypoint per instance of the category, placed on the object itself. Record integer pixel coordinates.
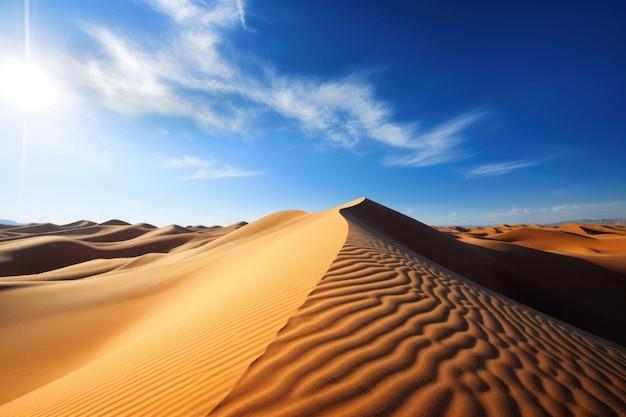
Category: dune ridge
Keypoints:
(559, 284)
(355, 310)
(389, 332)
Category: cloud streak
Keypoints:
(191, 73)
(206, 169)
(186, 162)
(597, 209)
(498, 168)
(226, 172)
(242, 13)
(563, 212)
(439, 145)
(513, 212)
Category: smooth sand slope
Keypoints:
(159, 334)
(356, 310)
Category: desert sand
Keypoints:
(353, 311)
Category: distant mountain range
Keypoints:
(9, 222)
(606, 222)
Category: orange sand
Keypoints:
(602, 245)
(357, 310)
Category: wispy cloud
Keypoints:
(498, 168)
(592, 209)
(454, 217)
(206, 169)
(186, 162)
(436, 146)
(517, 211)
(563, 207)
(191, 72)
(562, 212)
(513, 212)
(199, 13)
(226, 172)
(242, 13)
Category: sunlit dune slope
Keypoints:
(387, 332)
(356, 310)
(161, 334)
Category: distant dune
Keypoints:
(353, 311)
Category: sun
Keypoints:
(27, 86)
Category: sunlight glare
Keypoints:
(27, 86)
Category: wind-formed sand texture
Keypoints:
(357, 310)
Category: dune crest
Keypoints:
(388, 332)
(356, 310)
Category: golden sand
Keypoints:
(355, 310)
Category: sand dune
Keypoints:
(561, 285)
(601, 245)
(357, 310)
(391, 333)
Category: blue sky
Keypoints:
(210, 112)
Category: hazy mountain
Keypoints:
(606, 222)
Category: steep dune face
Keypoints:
(565, 287)
(356, 310)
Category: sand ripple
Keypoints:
(387, 332)
(353, 311)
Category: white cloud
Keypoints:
(186, 162)
(513, 212)
(226, 172)
(436, 146)
(516, 211)
(456, 216)
(197, 13)
(617, 208)
(190, 72)
(562, 207)
(131, 81)
(206, 169)
(178, 10)
(242, 13)
(564, 212)
(498, 168)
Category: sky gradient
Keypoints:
(211, 112)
